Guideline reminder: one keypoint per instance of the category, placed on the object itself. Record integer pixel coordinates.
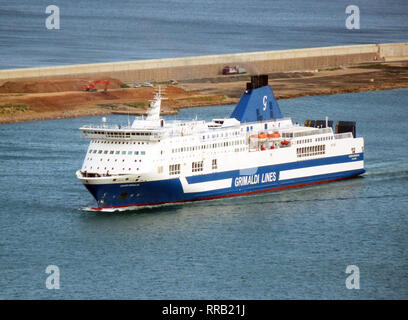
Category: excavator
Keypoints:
(91, 87)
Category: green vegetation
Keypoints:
(124, 85)
(137, 104)
(13, 108)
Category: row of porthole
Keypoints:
(118, 142)
(123, 169)
(117, 152)
(209, 146)
(123, 160)
(235, 133)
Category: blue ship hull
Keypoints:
(125, 196)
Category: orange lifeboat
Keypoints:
(274, 135)
(262, 135)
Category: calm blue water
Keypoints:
(289, 244)
(100, 31)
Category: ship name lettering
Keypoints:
(255, 179)
(269, 177)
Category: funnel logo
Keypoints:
(264, 102)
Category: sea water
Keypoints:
(101, 31)
(294, 243)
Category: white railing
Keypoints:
(298, 134)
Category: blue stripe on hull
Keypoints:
(171, 190)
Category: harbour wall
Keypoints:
(210, 66)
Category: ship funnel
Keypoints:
(258, 102)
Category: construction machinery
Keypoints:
(92, 86)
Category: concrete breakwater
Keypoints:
(209, 66)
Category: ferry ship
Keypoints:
(256, 149)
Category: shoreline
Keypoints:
(27, 104)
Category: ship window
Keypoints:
(197, 166)
(111, 152)
(105, 152)
(100, 151)
(117, 152)
(136, 153)
(90, 150)
(129, 152)
(174, 169)
(123, 152)
(142, 153)
(214, 163)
